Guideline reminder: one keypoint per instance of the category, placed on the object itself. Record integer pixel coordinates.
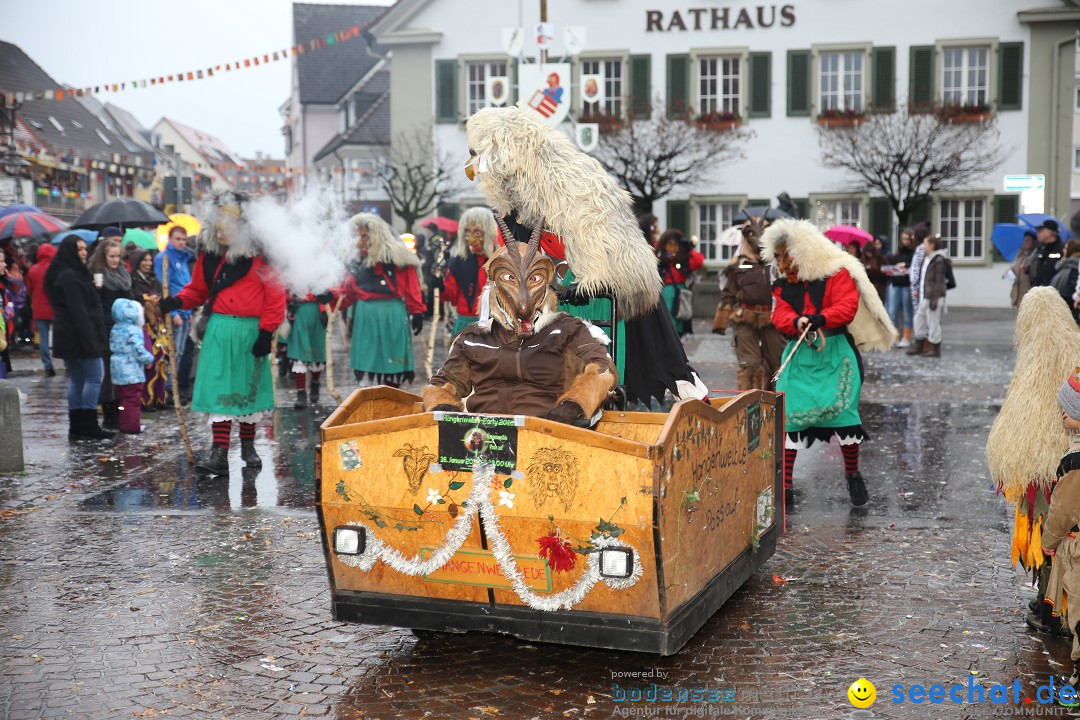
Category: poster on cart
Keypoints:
(464, 439)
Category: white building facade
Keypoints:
(781, 69)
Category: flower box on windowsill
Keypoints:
(958, 114)
(718, 122)
(839, 120)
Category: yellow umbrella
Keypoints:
(187, 222)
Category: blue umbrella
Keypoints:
(18, 207)
(88, 236)
(1008, 238)
(1034, 220)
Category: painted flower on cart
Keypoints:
(433, 496)
(507, 498)
(557, 552)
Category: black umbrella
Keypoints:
(758, 211)
(120, 212)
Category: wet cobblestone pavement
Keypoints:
(129, 588)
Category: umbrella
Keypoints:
(1007, 238)
(26, 224)
(189, 223)
(17, 207)
(121, 212)
(761, 211)
(443, 224)
(141, 238)
(847, 234)
(88, 236)
(1031, 220)
(732, 236)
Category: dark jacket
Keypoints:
(1043, 263)
(748, 283)
(1064, 281)
(78, 323)
(903, 255)
(108, 297)
(142, 284)
(934, 279)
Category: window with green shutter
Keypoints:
(798, 83)
(1006, 208)
(920, 212)
(640, 71)
(678, 216)
(881, 217)
(921, 81)
(446, 94)
(758, 201)
(760, 104)
(1010, 75)
(883, 79)
(678, 85)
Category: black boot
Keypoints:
(248, 454)
(917, 347)
(75, 422)
(856, 489)
(110, 415)
(314, 392)
(217, 463)
(301, 399)
(87, 426)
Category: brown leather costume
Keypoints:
(746, 303)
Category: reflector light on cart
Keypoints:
(350, 540)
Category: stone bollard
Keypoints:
(11, 439)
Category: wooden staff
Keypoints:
(172, 364)
(330, 351)
(434, 331)
(273, 368)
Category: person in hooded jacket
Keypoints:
(79, 336)
(128, 357)
(1065, 278)
(247, 304)
(932, 289)
(40, 308)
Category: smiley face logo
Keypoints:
(862, 693)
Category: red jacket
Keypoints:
(673, 275)
(406, 287)
(257, 294)
(35, 283)
(452, 292)
(839, 304)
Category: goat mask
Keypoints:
(519, 284)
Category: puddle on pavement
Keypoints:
(286, 479)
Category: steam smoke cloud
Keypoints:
(308, 240)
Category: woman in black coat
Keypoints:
(79, 336)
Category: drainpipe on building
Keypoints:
(1054, 118)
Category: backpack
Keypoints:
(950, 278)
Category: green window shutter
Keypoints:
(446, 94)
(1006, 208)
(678, 216)
(804, 207)
(678, 86)
(1010, 75)
(758, 201)
(640, 71)
(883, 80)
(881, 217)
(760, 67)
(921, 86)
(798, 83)
(449, 210)
(920, 212)
(513, 67)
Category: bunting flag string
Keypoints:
(313, 45)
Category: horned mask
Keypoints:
(519, 285)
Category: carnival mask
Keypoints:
(752, 231)
(474, 238)
(521, 278)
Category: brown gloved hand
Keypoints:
(569, 413)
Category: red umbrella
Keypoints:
(27, 224)
(847, 234)
(441, 223)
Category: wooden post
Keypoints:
(330, 388)
(434, 331)
(172, 364)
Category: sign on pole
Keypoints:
(1020, 183)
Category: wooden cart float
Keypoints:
(628, 536)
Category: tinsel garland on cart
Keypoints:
(479, 500)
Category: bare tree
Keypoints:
(418, 177)
(909, 156)
(651, 157)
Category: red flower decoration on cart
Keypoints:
(557, 552)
